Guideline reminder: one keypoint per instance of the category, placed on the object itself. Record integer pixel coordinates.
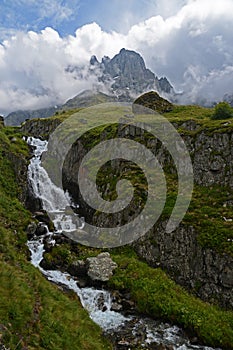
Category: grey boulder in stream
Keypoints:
(101, 267)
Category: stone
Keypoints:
(100, 268)
(41, 229)
(77, 268)
(31, 230)
(48, 245)
(116, 307)
(44, 218)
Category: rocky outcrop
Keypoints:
(91, 271)
(203, 271)
(40, 128)
(212, 156)
(153, 101)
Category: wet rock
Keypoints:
(123, 344)
(100, 268)
(31, 230)
(42, 216)
(48, 244)
(101, 303)
(163, 347)
(77, 268)
(82, 282)
(61, 239)
(116, 307)
(128, 305)
(41, 229)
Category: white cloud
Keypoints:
(191, 44)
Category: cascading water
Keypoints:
(55, 200)
(97, 302)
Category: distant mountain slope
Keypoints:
(84, 99)
(87, 98)
(18, 117)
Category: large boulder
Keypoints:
(101, 267)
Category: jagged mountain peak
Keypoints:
(129, 75)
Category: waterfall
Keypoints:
(97, 302)
(55, 200)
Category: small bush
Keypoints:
(222, 111)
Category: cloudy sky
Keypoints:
(188, 41)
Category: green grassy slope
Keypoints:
(157, 295)
(34, 314)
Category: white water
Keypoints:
(97, 302)
(89, 297)
(55, 200)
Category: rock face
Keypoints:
(128, 74)
(208, 274)
(211, 154)
(40, 128)
(20, 164)
(100, 268)
(202, 270)
(212, 158)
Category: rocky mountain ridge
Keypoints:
(127, 75)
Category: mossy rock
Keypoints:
(153, 101)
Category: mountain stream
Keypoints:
(124, 330)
